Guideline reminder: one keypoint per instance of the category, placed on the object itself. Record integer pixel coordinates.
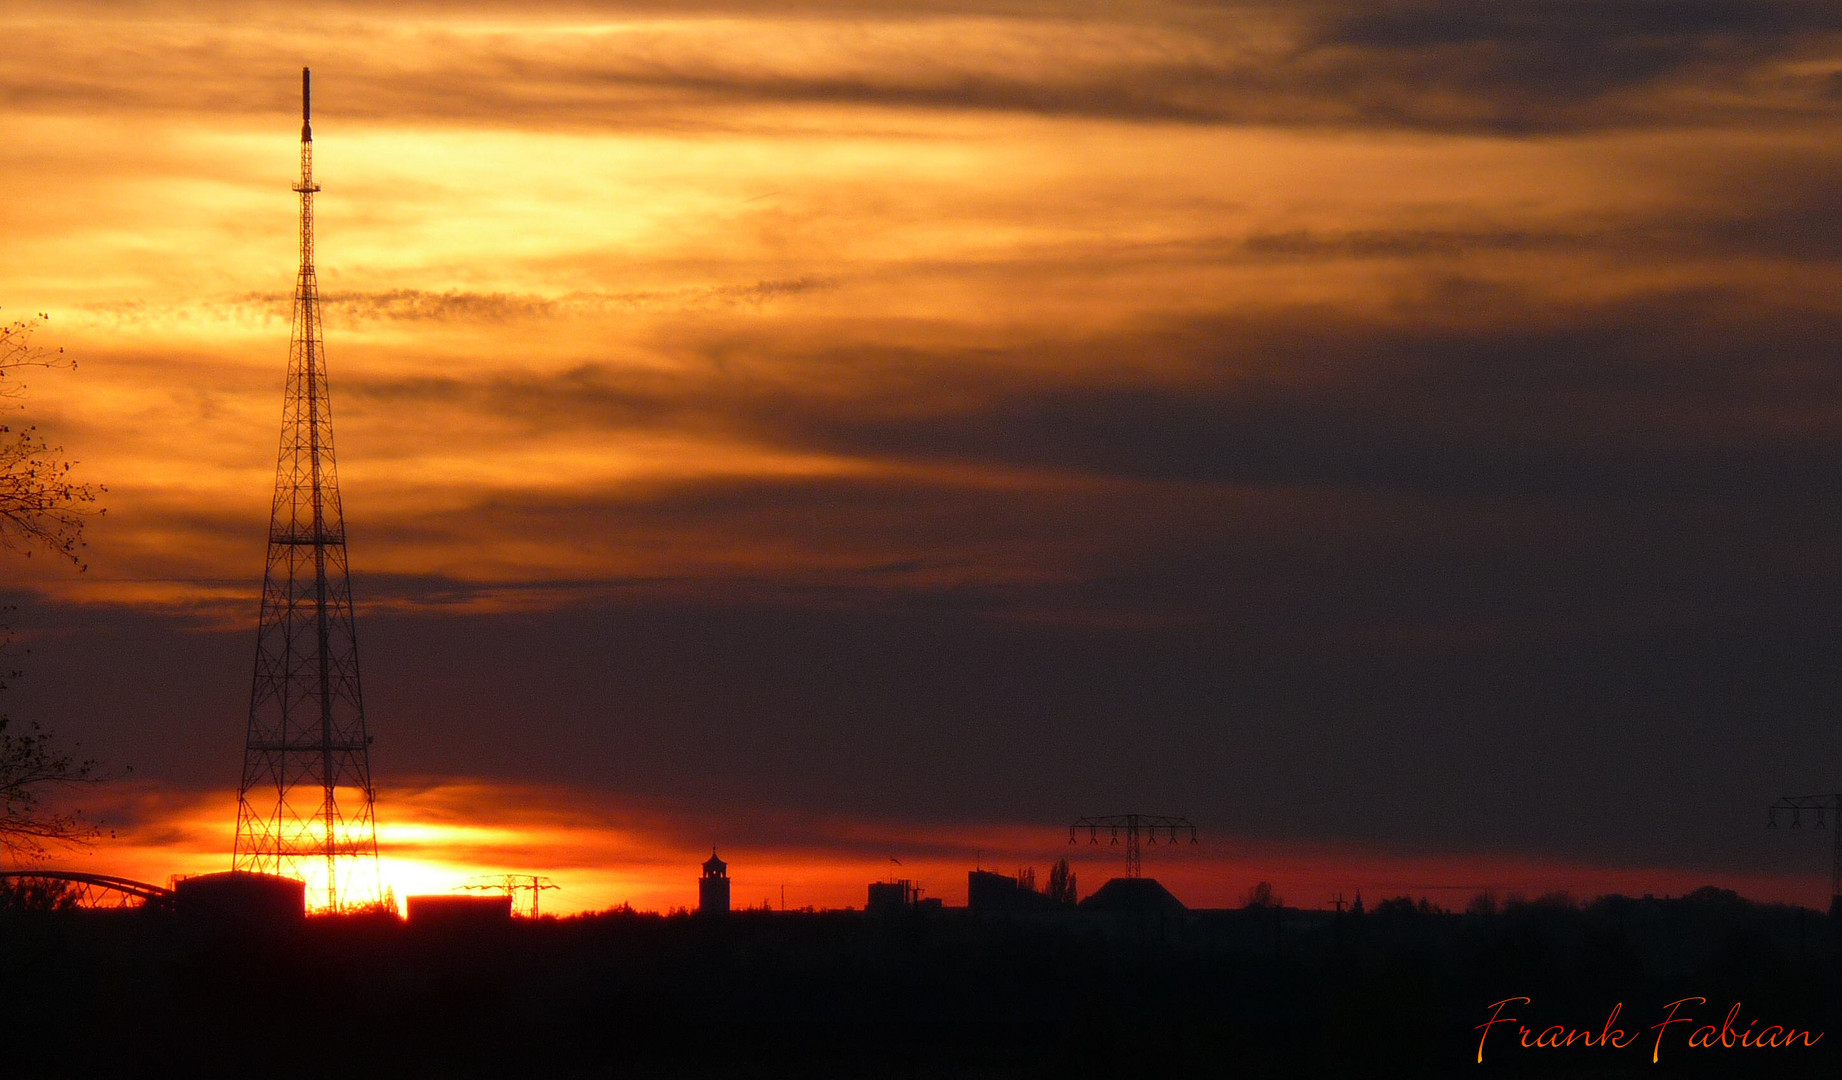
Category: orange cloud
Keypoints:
(588, 276)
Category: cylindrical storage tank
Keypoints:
(262, 898)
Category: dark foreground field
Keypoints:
(1259, 992)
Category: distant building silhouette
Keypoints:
(889, 897)
(1134, 896)
(713, 887)
(459, 911)
(987, 891)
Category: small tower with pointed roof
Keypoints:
(713, 887)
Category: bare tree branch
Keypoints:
(31, 767)
(40, 506)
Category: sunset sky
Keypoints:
(1404, 438)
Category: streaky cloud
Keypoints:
(1526, 66)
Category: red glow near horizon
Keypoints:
(439, 837)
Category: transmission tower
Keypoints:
(513, 884)
(1820, 807)
(1133, 825)
(305, 805)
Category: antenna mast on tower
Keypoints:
(305, 805)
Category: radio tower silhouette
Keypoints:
(305, 806)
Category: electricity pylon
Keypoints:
(305, 806)
(1819, 806)
(513, 884)
(1132, 825)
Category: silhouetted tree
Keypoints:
(39, 507)
(1403, 907)
(39, 504)
(31, 766)
(1061, 883)
(1714, 896)
(1261, 895)
(1026, 879)
(37, 894)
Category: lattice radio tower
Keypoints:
(305, 806)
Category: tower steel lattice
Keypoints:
(305, 805)
(1132, 825)
(513, 884)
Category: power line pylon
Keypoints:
(513, 884)
(1822, 806)
(1132, 825)
(305, 805)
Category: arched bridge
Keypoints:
(65, 889)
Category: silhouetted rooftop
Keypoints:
(1143, 896)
